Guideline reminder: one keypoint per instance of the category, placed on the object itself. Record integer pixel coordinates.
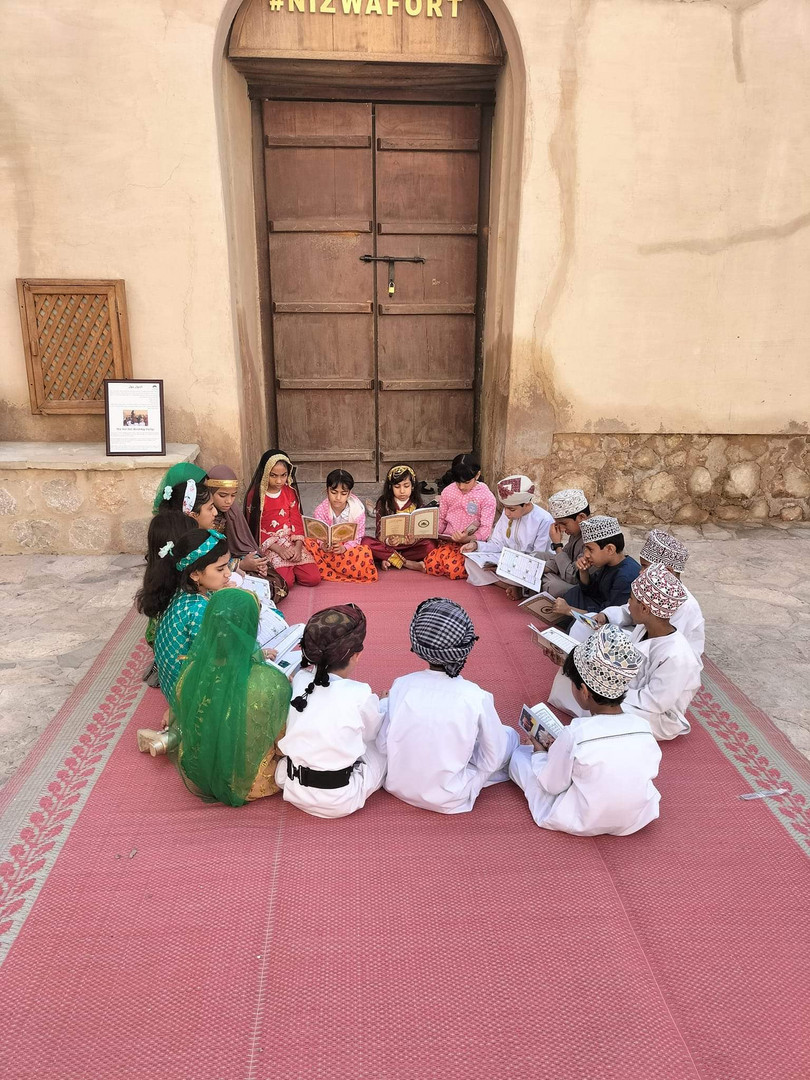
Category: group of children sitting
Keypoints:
(239, 729)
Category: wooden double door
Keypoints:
(374, 362)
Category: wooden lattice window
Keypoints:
(76, 335)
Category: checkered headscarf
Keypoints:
(443, 634)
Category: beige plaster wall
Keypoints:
(110, 167)
(664, 246)
(654, 211)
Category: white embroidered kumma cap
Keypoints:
(608, 661)
(515, 490)
(567, 503)
(659, 590)
(662, 547)
(599, 528)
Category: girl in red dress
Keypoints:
(273, 512)
(400, 493)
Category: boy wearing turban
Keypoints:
(443, 737)
(597, 776)
(332, 764)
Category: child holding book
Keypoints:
(605, 571)
(273, 512)
(332, 764)
(661, 547)
(228, 709)
(670, 673)
(466, 512)
(187, 573)
(442, 735)
(400, 494)
(597, 777)
(350, 560)
(523, 526)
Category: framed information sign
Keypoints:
(133, 417)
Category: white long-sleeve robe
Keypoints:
(688, 619)
(529, 533)
(597, 777)
(444, 741)
(664, 687)
(339, 726)
(661, 692)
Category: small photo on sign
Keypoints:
(133, 417)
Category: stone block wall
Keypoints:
(101, 506)
(644, 479)
(85, 513)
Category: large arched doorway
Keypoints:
(372, 132)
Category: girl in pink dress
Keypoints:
(273, 512)
(466, 512)
(352, 560)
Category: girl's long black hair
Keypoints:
(162, 578)
(386, 503)
(463, 468)
(251, 507)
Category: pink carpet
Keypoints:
(148, 935)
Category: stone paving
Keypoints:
(60, 610)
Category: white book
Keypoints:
(287, 646)
(258, 585)
(554, 643)
(482, 558)
(540, 723)
(520, 568)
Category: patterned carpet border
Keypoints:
(762, 755)
(43, 800)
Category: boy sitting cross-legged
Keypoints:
(442, 735)
(523, 526)
(605, 571)
(569, 509)
(597, 777)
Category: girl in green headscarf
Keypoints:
(229, 707)
(177, 474)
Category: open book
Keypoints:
(483, 558)
(418, 523)
(540, 723)
(520, 568)
(542, 604)
(327, 535)
(554, 643)
(287, 645)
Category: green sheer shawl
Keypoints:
(229, 705)
(177, 474)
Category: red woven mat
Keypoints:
(173, 939)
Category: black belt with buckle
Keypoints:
(318, 778)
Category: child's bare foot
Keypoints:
(512, 592)
(386, 565)
(418, 566)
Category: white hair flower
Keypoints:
(167, 548)
(167, 492)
